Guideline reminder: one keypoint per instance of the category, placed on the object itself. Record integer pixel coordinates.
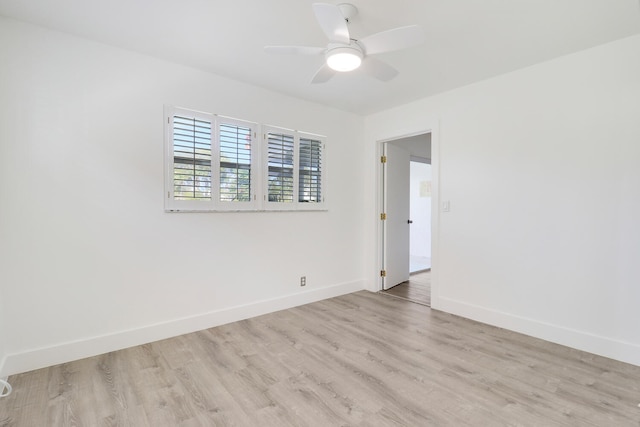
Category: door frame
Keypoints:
(431, 128)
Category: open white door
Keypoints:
(397, 208)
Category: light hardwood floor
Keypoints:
(362, 359)
(417, 289)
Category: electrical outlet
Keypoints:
(303, 280)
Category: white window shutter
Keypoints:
(238, 158)
(295, 170)
(280, 150)
(189, 160)
(310, 169)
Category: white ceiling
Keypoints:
(467, 40)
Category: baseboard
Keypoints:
(581, 340)
(69, 351)
(3, 375)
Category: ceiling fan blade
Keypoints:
(395, 39)
(332, 22)
(323, 75)
(378, 69)
(294, 50)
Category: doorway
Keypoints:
(406, 196)
(420, 214)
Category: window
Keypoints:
(237, 161)
(280, 148)
(295, 171)
(214, 163)
(211, 162)
(191, 158)
(310, 171)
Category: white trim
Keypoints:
(73, 350)
(431, 127)
(435, 215)
(581, 340)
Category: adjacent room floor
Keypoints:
(417, 289)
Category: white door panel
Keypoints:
(397, 208)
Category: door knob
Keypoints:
(409, 221)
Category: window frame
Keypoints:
(259, 167)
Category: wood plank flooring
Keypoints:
(362, 359)
(417, 289)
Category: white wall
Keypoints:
(541, 169)
(89, 260)
(420, 245)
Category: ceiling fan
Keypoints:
(344, 53)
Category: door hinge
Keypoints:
(383, 159)
(383, 216)
(383, 273)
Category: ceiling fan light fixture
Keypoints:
(345, 58)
